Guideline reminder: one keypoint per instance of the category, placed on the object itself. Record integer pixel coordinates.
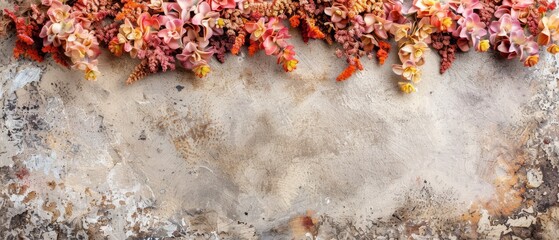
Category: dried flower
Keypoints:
(338, 14)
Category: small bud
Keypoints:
(406, 87)
(201, 71)
(483, 46)
(553, 49)
(531, 61)
(290, 65)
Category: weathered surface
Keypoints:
(252, 152)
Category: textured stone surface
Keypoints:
(252, 152)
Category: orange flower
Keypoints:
(28, 51)
(553, 49)
(239, 42)
(253, 48)
(531, 61)
(290, 65)
(201, 71)
(313, 31)
(357, 63)
(115, 47)
(348, 71)
(381, 56)
(294, 21)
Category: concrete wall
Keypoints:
(253, 152)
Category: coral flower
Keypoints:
(218, 5)
(379, 25)
(207, 19)
(192, 56)
(338, 14)
(172, 33)
(256, 30)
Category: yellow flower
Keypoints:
(412, 73)
(414, 52)
(220, 23)
(483, 45)
(408, 70)
(90, 75)
(531, 61)
(201, 71)
(406, 87)
(290, 65)
(446, 23)
(553, 49)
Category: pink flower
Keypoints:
(58, 12)
(207, 18)
(461, 6)
(132, 37)
(82, 44)
(256, 30)
(274, 41)
(56, 32)
(523, 45)
(338, 14)
(192, 56)
(149, 23)
(470, 28)
(443, 19)
(394, 12)
(180, 9)
(218, 5)
(379, 25)
(502, 28)
(518, 9)
(172, 33)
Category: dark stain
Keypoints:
(179, 87)
(142, 136)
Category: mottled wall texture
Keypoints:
(251, 152)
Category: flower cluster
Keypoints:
(67, 29)
(164, 34)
